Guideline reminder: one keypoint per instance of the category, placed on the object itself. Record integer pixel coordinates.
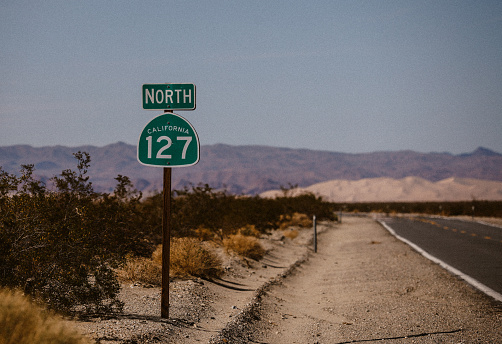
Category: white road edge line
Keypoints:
(475, 283)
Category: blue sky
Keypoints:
(346, 76)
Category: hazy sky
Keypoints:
(347, 76)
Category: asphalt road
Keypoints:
(473, 248)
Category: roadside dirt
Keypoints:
(200, 310)
(362, 285)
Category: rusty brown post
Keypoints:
(166, 241)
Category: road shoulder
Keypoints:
(365, 285)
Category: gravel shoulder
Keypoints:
(200, 310)
(362, 285)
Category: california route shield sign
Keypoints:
(168, 140)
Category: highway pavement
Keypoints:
(474, 249)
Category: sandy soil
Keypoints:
(362, 285)
(200, 310)
(365, 286)
(409, 189)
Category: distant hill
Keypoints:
(407, 189)
(255, 169)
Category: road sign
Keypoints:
(168, 140)
(168, 96)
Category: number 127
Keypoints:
(160, 153)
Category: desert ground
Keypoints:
(409, 189)
(362, 285)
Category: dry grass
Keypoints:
(22, 322)
(142, 270)
(296, 220)
(249, 230)
(205, 234)
(290, 233)
(188, 257)
(243, 245)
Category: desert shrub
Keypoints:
(142, 270)
(22, 322)
(197, 207)
(307, 204)
(149, 212)
(217, 211)
(222, 214)
(62, 245)
(290, 233)
(243, 245)
(189, 257)
(205, 234)
(249, 230)
(296, 219)
(481, 208)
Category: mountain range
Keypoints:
(254, 169)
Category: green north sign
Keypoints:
(168, 96)
(168, 140)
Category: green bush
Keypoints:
(224, 214)
(62, 245)
(295, 220)
(466, 208)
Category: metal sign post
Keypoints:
(168, 141)
(315, 233)
(166, 244)
(166, 241)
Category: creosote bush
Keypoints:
(249, 230)
(295, 220)
(23, 322)
(477, 208)
(201, 211)
(61, 245)
(206, 234)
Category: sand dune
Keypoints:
(408, 189)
